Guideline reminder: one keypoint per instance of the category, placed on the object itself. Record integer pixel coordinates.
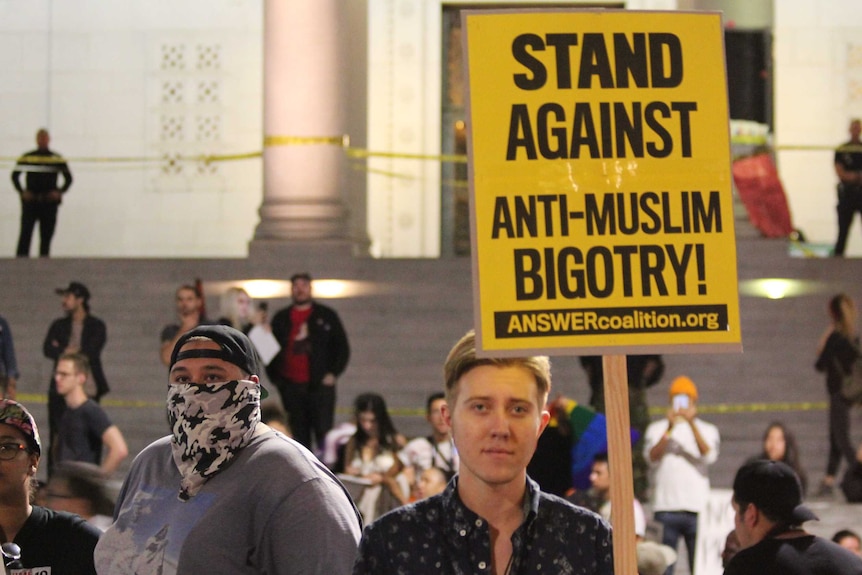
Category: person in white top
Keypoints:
(434, 450)
(600, 480)
(680, 449)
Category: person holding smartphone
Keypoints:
(680, 449)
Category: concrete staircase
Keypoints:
(401, 328)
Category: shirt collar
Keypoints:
(461, 517)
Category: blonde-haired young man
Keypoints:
(492, 518)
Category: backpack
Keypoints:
(851, 383)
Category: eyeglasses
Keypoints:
(10, 450)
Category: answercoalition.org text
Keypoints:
(618, 320)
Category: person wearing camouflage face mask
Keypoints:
(210, 421)
(224, 493)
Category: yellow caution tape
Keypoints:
(363, 153)
(751, 407)
(716, 408)
(462, 184)
(232, 157)
(342, 141)
(805, 148)
(27, 398)
(36, 160)
(750, 140)
(386, 173)
(208, 158)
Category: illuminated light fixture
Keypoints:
(263, 289)
(275, 289)
(333, 288)
(779, 288)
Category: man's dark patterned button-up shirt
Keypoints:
(440, 535)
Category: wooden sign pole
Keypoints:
(620, 463)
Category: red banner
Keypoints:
(763, 195)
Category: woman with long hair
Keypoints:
(837, 352)
(779, 444)
(372, 455)
(235, 309)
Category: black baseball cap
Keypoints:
(235, 346)
(300, 276)
(773, 487)
(75, 288)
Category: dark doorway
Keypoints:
(749, 74)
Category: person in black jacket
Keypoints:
(314, 352)
(836, 354)
(848, 168)
(768, 509)
(40, 194)
(77, 332)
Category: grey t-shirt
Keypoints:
(275, 509)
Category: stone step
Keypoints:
(403, 326)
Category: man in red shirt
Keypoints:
(314, 352)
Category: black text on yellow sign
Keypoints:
(601, 271)
(604, 129)
(600, 176)
(603, 321)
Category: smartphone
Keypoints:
(680, 402)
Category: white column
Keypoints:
(305, 101)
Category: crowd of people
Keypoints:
(371, 499)
(243, 483)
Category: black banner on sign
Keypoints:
(610, 321)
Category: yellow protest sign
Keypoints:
(600, 182)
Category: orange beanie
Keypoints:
(683, 385)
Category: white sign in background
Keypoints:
(714, 524)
